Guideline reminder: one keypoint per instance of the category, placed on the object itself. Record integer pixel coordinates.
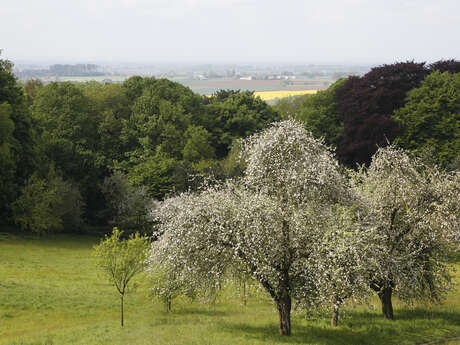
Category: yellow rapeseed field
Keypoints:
(268, 95)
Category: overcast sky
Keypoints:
(230, 31)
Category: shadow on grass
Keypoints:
(446, 317)
(52, 241)
(416, 315)
(453, 257)
(307, 335)
(360, 329)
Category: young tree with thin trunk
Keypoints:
(267, 224)
(416, 212)
(121, 260)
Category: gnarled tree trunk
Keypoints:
(384, 291)
(387, 306)
(284, 308)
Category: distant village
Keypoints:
(105, 73)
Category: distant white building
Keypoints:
(247, 78)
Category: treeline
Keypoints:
(413, 105)
(60, 70)
(76, 154)
(98, 154)
(75, 70)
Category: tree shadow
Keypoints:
(305, 335)
(361, 319)
(50, 240)
(358, 328)
(449, 317)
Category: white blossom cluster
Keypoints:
(288, 161)
(343, 257)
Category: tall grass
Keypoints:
(51, 293)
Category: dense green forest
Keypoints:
(93, 154)
(76, 156)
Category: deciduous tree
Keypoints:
(48, 204)
(69, 137)
(430, 119)
(320, 115)
(18, 148)
(267, 225)
(416, 216)
(234, 115)
(121, 260)
(366, 105)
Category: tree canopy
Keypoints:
(430, 119)
(366, 105)
(157, 133)
(320, 115)
(234, 115)
(121, 260)
(18, 158)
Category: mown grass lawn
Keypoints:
(51, 293)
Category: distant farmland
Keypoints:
(266, 89)
(209, 86)
(271, 95)
(99, 78)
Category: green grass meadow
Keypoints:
(51, 293)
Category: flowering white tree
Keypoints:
(268, 224)
(416, 212)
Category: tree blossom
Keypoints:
(268, 224)
(343, 257)
(416, 212)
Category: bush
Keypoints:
(48, 204)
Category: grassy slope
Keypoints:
(50, 293)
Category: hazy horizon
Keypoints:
(191, 32)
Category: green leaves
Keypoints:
(48, 204)
(17, 145)
(155, 173)
(121, 260)
(236, 115)
(198, 146)
(320, 115)
(430, 120)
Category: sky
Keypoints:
(230, 31)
